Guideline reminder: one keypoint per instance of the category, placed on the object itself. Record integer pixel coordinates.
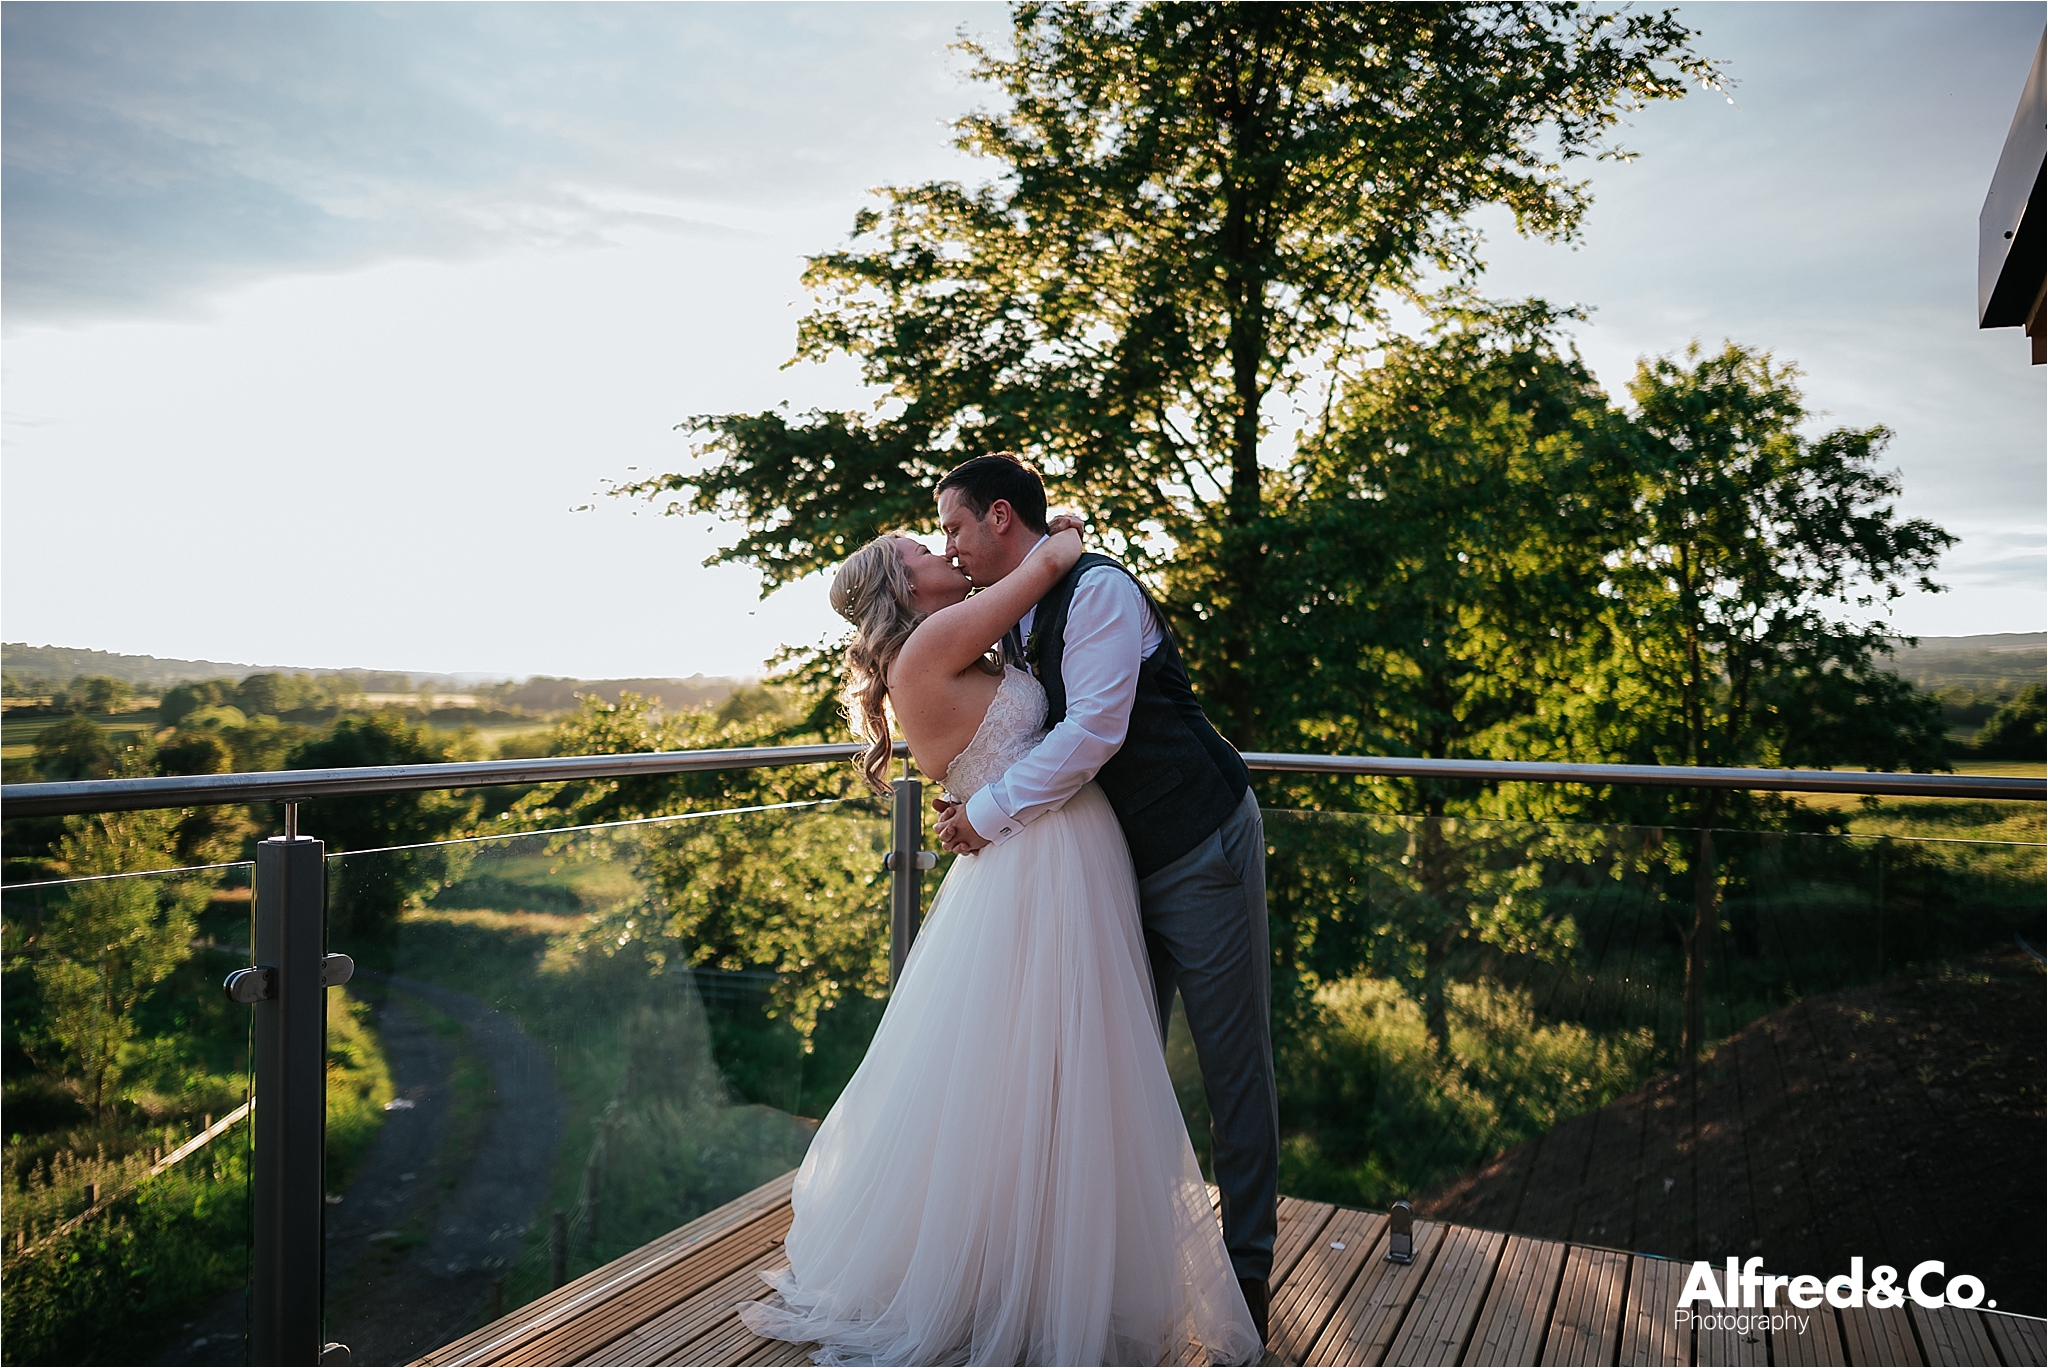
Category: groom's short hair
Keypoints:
(999, 475)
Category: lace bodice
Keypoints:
(1013, 724)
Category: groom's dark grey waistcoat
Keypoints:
(1174, 780)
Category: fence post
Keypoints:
(908, 859)
(291, 1100)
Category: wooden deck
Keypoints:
(1470, 1296)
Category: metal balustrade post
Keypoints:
(291, 1098)
(908, 859)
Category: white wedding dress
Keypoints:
(1007, 1178)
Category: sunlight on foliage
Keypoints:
(358, 1085)
(1409, 1117)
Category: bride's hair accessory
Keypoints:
(871, 590)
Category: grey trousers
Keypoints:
(1205, 927)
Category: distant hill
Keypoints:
(33, 669)
(1975, 662)
(59, 665)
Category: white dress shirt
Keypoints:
(1110, 632)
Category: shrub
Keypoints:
(1371, 1113)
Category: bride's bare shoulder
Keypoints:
(939, 714)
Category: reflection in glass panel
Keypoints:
(125, 1215)
(558, 1047)
(1495, 1020)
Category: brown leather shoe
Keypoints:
(1255, 1299)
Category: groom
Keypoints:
(1122, 713)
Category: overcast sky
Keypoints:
(320, 319)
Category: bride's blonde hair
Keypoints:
(871, 589)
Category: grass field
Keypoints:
(18, 736)
(1956, 819)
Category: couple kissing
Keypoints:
(1007, 1177)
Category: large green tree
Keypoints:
(1482, 557)
(108, 942)
(1196, 211)
(1751, 587)
(1434, 564)
(1748, 598)
(1433, 574)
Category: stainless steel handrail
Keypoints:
(297, 786)
(294, 786)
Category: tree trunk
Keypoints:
(1243, 556)
(1436, 1016)
(1433, 867)
(1706, 916)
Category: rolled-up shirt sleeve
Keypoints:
(1109, 632)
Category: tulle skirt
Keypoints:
(1007, 1178)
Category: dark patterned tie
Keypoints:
(1013, 648)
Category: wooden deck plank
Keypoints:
(490, 1343)
(729, 1343)
(1320, 1279)
(1649, 1335)
(694, 1316)
(1447, 1305)
(1370, 1316)
(1586, 1326)
(1722, 1346)
(1471, 1296)
(1953, 1336)
(1300, 1223)
(2019, 1338)
(1873, 1335)
(1517, 1310)
(1666, 1209)
(614, 1316)
(1820, 1343)
(778, 1354)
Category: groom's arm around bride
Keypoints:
(1122, 713)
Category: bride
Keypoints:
(1007, 1178)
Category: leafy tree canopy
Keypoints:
(1195, 209)
(1433, 566)
(109, 941)
(1745, 588)
(75, 748)
(372, 888)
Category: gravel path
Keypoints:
(443, 1200)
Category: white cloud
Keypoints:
(158, 154)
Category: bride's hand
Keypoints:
(1064, 522)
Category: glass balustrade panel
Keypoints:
(561, 1046)
(125, 1219)
(1804, 1046)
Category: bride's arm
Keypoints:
(951, 639)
